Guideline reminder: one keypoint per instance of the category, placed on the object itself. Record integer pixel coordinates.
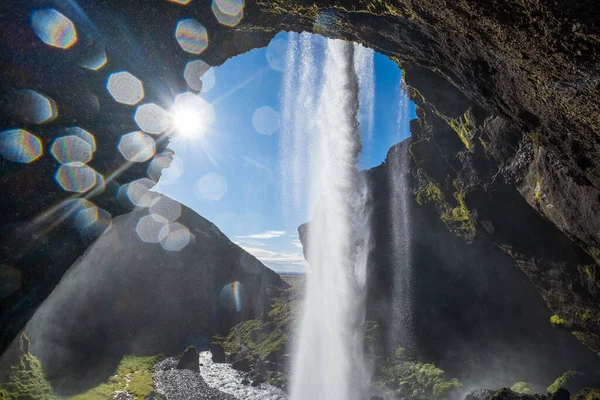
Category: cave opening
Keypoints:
(91, 168)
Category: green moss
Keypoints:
(411, 378)
(523, 387)
(459, 215)
(558, 321)
(562, 380)
(134, 374)
(483, 143)
(26, 379)
(464, 127)
(429, 192)
(595, 253)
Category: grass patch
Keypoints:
(133, 374)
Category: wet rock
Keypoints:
(245, 382)
(560, 394)
(190, 359)
(217, 352)
(587, 394)
(243, 365)
(122, 395)
(257, 380)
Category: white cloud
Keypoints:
(264, 235)
(279, 261)
(297, 243)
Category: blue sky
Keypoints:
(231, 174)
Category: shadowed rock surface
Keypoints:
(126, 296)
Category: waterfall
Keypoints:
(401, 331)
(322, 142)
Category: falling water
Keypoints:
(324, 137)
(401, 332)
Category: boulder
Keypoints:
(217, 352)
(190, 359)
(243, 365)
(257, 380)
(587, 394)
(560, 394)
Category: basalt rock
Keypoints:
(190, 359)
(509, 109)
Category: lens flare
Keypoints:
(21, 146)
(231, 296)
(166, 208)
(152, 228)
(137, 146)
(69, 149)
(31, 106)
(191, 36)
(182, 2)
(191, 115)
(151, 118)
(95, 61)
(228, 12)
(211, 187)
(266, 120)
(82, 134)
(199, 76)
(177, 238)
(276, 54)
(125, 88)
(76, 177)
(53, 28)
(92, 222)
(138, 192)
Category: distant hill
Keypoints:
(127, 296)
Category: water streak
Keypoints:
(328, 360)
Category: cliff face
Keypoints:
(127, 296)
(509, 115)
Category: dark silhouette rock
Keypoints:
(190, 359)
(257, 380)
(217, 352)
(560, 394)
(243, 365)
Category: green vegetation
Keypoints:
(523, 387)
(406, 377)
(134, 374)
(459, 215)
(538, 192)
(429, 192)
(535, 137)
(558, 321)
(587, 394)
(464, 127)
(562, 380)
(25, 380)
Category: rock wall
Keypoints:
(508, 96)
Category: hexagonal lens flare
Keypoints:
(152, 228)
(177, 238)
(92, 222)
(199, 76)
(151, 118)
(266, 120)
(75, 177)
(82, 134)
(138, 192)
(137, 146)
(53, 28)
(166, 208)
(21, 146)
(69, 149)
(228, 12)
(30, 106)
(211, 187)
(95, 61)
(191, 36)
(125, 88)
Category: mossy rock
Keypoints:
(587, 394)
(26, 379)
(523, 387)
(569, 380)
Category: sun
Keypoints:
(191, 116)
